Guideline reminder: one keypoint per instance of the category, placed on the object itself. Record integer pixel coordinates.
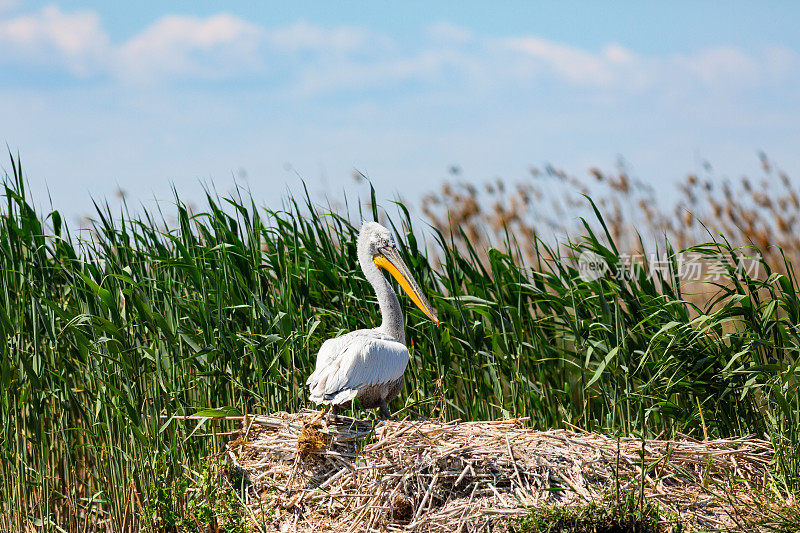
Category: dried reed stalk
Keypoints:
(426, 475)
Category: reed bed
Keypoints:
(124, 342)
(749, 210)
(307, 474)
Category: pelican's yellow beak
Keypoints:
(389, 260)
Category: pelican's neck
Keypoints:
(391, 313)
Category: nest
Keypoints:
(427, 475)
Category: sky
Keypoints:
(144, 96)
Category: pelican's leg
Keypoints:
(385, 410)
(334, 412)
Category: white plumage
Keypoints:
(368, 364)
(355, 362)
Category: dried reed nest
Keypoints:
(426, 475)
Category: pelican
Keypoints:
(368, 364)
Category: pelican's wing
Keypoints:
(351, 362)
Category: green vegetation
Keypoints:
(624, 516)
(110, 336)
(209, 502)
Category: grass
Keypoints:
(112, 336)
(623, 516)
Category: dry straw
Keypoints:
(426, 475)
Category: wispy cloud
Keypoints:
(722, 65)
(215, 47)
(427, 66)
(572, 63)
(309, 59)
(75, 41)
(304, 37)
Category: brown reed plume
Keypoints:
(761, 212)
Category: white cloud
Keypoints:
(305, 37)
(215, 47)
(575, 64)
(721, 65)
(307, 59)
(427, 66)
(616, 54)
(616, 67)
(76, 41)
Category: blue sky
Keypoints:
(96, 95)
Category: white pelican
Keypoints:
(368, 364)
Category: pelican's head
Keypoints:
(377, 243)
